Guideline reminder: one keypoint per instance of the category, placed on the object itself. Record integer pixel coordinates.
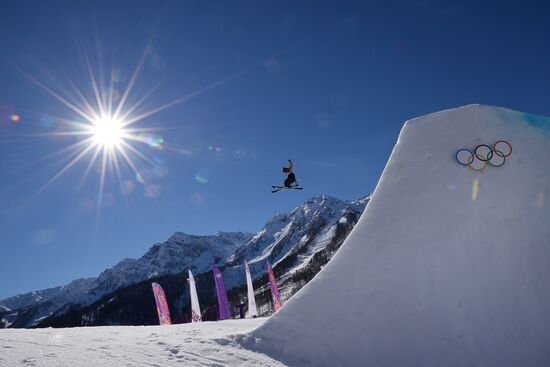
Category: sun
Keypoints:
(104, 122)
(107, 132)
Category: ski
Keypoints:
(279, 188)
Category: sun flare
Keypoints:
(107, 132)
(105, 122)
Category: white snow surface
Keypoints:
(435, 273)
(197, 344)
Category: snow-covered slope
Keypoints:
(199, 344)
(446, 267)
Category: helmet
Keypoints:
(285, 169)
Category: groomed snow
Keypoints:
(200, 344)
(446, 267)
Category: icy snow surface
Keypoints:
(441, 269)
(200, 344)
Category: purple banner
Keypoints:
(222, 296)
(162, 305)
(274, 291)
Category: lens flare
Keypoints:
(143, 176)
(127, 187)
(539, 201)
(197, 199)
(154, 141)
(475, 189)
(152, 191)
(202, 176)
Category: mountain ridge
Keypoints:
(279, 239)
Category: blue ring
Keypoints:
(469, 151)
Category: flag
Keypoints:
(195, 307)
(252, 311)
(162, 305)
(274, 291)
(222, 296)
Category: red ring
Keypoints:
(505, 142)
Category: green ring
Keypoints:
(500, 155)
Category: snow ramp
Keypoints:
(448, 266)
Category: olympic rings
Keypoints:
(483, 155)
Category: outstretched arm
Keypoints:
(290, 165)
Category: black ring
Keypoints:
(488, 157)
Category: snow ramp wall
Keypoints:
(446, 267)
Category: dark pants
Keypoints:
(290, 179)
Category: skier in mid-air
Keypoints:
(290, 178)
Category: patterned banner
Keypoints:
(222, 296)
(162, 305)
(274, 291)
(195, 308)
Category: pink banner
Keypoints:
(274, 291)
(162, 305)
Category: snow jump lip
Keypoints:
(431, 274)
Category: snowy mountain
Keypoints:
(449, 264)
(297, 244)
(26, 299)
(29, 308)
(293, 242)
(180, 252)
(292, 231)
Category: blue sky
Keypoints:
(328, 84)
